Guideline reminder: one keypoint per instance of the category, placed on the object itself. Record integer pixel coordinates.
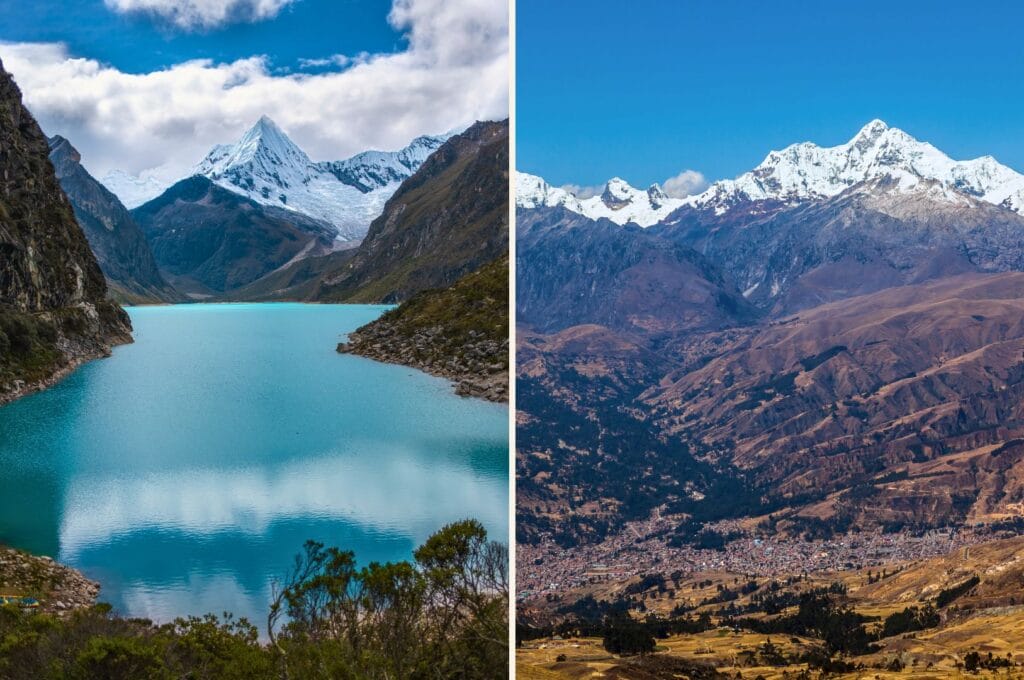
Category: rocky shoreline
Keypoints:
(475, 373)
(58, 588)
(17, 389)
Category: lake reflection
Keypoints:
(185, 472)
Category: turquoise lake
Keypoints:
(184, 472)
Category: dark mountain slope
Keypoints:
(54, 311)
(210, 241)
(116, 240)
(867, 238)
(572, 270)
(447, 220)
(296, 280)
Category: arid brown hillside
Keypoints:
(900, 408)
(855, 392)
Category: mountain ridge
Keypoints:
(117, 241)
(448, 219)
(799, 173)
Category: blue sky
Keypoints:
(303, 30)
(649, 88)
(149, 86)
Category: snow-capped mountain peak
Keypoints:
(264, 156)
(806, 171)
(268, 167)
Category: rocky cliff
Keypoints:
(54, 311)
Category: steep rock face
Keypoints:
(116, 240)
(54, 312)
(459, 332)
(210, 241)
(447, 220)
(572, 270)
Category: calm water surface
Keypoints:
(184, 472)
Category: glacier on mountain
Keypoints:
(808, 171)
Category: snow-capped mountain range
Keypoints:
(619, 202)
(269, 168)
(803, 172)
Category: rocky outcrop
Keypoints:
(54, 311)
(58, 589)
(459, 333)
(116, 240)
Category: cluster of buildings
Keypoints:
(641, 549)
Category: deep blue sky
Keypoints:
(137, 44)
(647, 88)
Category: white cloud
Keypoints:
(339, 60)
(582, 191)
(201, 14)
(686, 183)
(455, 71)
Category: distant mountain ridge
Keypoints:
(807, 171)
(117, 241)
(572, 270)
(813, 224)
(800, 173)
(871, 378)
(619, 202)
(210, 241)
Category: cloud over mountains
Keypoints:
(453, 71)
